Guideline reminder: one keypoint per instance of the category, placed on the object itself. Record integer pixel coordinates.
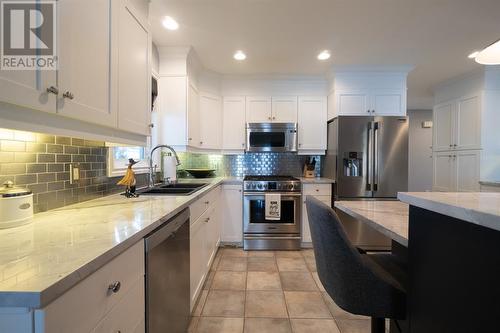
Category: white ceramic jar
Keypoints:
(16, 205)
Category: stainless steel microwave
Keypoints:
(271, 137)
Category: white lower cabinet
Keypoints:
(456, 171)
(92, 305)
(204, 239)
(322, 192)
(232, 213)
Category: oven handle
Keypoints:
(271, 237)
(285, 194)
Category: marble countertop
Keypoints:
(390, 217)
(480, 208)
(316, 180)
(42, 260)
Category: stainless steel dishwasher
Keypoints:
(167, 276)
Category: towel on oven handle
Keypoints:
(273, 206)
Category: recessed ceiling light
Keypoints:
(324, 55)
(239, 55)
(490, 55)
(473, 54)
(169, 23)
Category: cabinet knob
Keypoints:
(243, 145)
(207, 219)
(368, 111)
(53, 90)
(269, 118)
(151, 125)
(300, 144)
(207, 202)
(68, 95)
(201, 142)
(115, 287)
(274, 118)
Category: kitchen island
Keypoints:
(453, 248)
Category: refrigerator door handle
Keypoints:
(369, 173)
(375, 162)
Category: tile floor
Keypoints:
(269, 291)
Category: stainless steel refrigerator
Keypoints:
(368, 158)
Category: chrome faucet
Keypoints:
(151, 181)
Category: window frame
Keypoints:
(119, 167)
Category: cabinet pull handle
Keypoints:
(53, 90)
(68, 95)
(115, 287)
(207, 202)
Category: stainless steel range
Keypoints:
(261, 233)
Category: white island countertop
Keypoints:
(390, 217)
(480, 208)
(42, 260)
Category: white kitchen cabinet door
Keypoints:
(233, 123)
(84, 61)
(443, 116)
(443, 172)
(193, 117)
(388, 103)
(232, 213)
(197, 263)
(259, 109)
(306, 231)
(132, 58)
(468, 123)
(29, 89)
(210, 121)
(467, 170)
(353, 103)
(312, 123)
(284, 109)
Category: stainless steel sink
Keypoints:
(173, 189)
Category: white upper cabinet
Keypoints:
(312, 124)
(284, 109)
(132, 63)
(233, 123)
(193, 116)
(258, 109)
(210, 121)
(361, 93)
(442, 126)
(457, 124)
(84, 61)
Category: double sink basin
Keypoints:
(173, 189)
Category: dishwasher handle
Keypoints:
(163, 232)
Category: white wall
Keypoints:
(420, 152)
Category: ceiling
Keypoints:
(285, 36)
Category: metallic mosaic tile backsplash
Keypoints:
(250, 163)
(41, 162)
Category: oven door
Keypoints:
(254, 209)
(271, 137)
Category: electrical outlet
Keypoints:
(74, 173)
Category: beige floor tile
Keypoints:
(267, 254)
(314, 326)
(337, 312)
(262, 264)
(265, 304)
(288, 254)
(354, 326)
(291, 264)
(228, 280)
(296, 281)
(308, 253)
(220, 325)
(233, 252)
(232, 264)
(306, 304)
(318, 281)
(210, 278)
(267, 325)
(224, 303)
(311, 264)
(200, 303)
(193, 324)
(263, 281)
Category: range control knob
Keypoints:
(253, 186)
(260, 186)
(290, 186)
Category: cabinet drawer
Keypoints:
(317, 189)
(82, 307)
(128, 315)
(198, 207)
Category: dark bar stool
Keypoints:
(363, 284)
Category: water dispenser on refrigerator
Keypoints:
(353, 164)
